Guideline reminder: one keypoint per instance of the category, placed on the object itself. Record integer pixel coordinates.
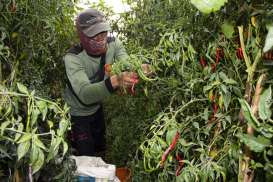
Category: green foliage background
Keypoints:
(34, 36)
(37, 33)
(163, 32)
(172, 36)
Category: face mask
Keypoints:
(93, 47)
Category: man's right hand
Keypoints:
(124, 80)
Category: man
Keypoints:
(87, 84)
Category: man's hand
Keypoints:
(125, 79)
(147, 69)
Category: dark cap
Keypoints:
(91, 22)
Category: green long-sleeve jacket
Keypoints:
(80, 68)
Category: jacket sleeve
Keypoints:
(87, 92)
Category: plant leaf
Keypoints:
(25, 138)
(44, 113)
(227, 29)
(266, 130)
(4, 126)
(237, 91)
(4, 152)
(20, 129)
(23, 149)
(63, 125)
(208, 6)
(39, 162)
(269, 39)
(230, 81)
(54, 148)
(184, 143)
(170, 135)
(264, 104)
(223, 76)
(256, 144)
(22, 88)
(227, 99)
(65, 147)
(248, 115)
(53, 107)
(33, 154)
(34, 116)
(50, 124)
(41, 105)
(39, 143)
(43, 108)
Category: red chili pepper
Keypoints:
(179, 158)
(169, 149)
(132, 89)
(214, 108)
(222, 53)
(203, 62)
(218, 55)
(213, 66)
(211, 98)
(239, 53)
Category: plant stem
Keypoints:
(43, 134)
(29, 102)
(187, 104)
(0, 72)
(30, 174)
(249, 173)
(246, 174)
(25, 95)
(246, 59)
(21, 132)
(16, 131)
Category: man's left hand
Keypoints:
(147, 69)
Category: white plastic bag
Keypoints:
(95, 167)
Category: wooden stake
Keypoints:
(247, 172)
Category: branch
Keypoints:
(35, 97)
(187, 104)
(257, 60)
(246, 59)
(249, 173)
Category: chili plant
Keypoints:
(34, 127)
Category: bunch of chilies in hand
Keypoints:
(138, 69)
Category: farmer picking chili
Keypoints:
(87, 84)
